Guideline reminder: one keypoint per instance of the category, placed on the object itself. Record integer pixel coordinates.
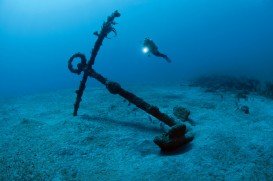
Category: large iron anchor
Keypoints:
(173, 139)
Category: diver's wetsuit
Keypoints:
(154, 49)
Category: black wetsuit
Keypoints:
(154, 49)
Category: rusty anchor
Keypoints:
(168, 141)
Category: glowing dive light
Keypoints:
(145, 50)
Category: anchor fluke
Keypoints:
(173, 139)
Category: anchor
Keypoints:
(173, 139)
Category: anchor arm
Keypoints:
(115, 88)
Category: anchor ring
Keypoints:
(80, 66)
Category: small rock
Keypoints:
(25, 121)
(245, 109)
(181, 113)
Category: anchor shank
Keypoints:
(115, 88)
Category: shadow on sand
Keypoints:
(180, 151)
(107, 120)
(139, 127)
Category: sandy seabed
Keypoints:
(111, 140)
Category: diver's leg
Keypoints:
(158, 54)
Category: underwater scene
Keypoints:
(136, 90)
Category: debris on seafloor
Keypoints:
(112, 107)
(173, 139)
(245, 109)
(181, 113)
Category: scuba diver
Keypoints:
(150, 47)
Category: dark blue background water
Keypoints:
(38, 37)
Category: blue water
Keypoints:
(38, 37)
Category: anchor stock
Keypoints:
(107, 28)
